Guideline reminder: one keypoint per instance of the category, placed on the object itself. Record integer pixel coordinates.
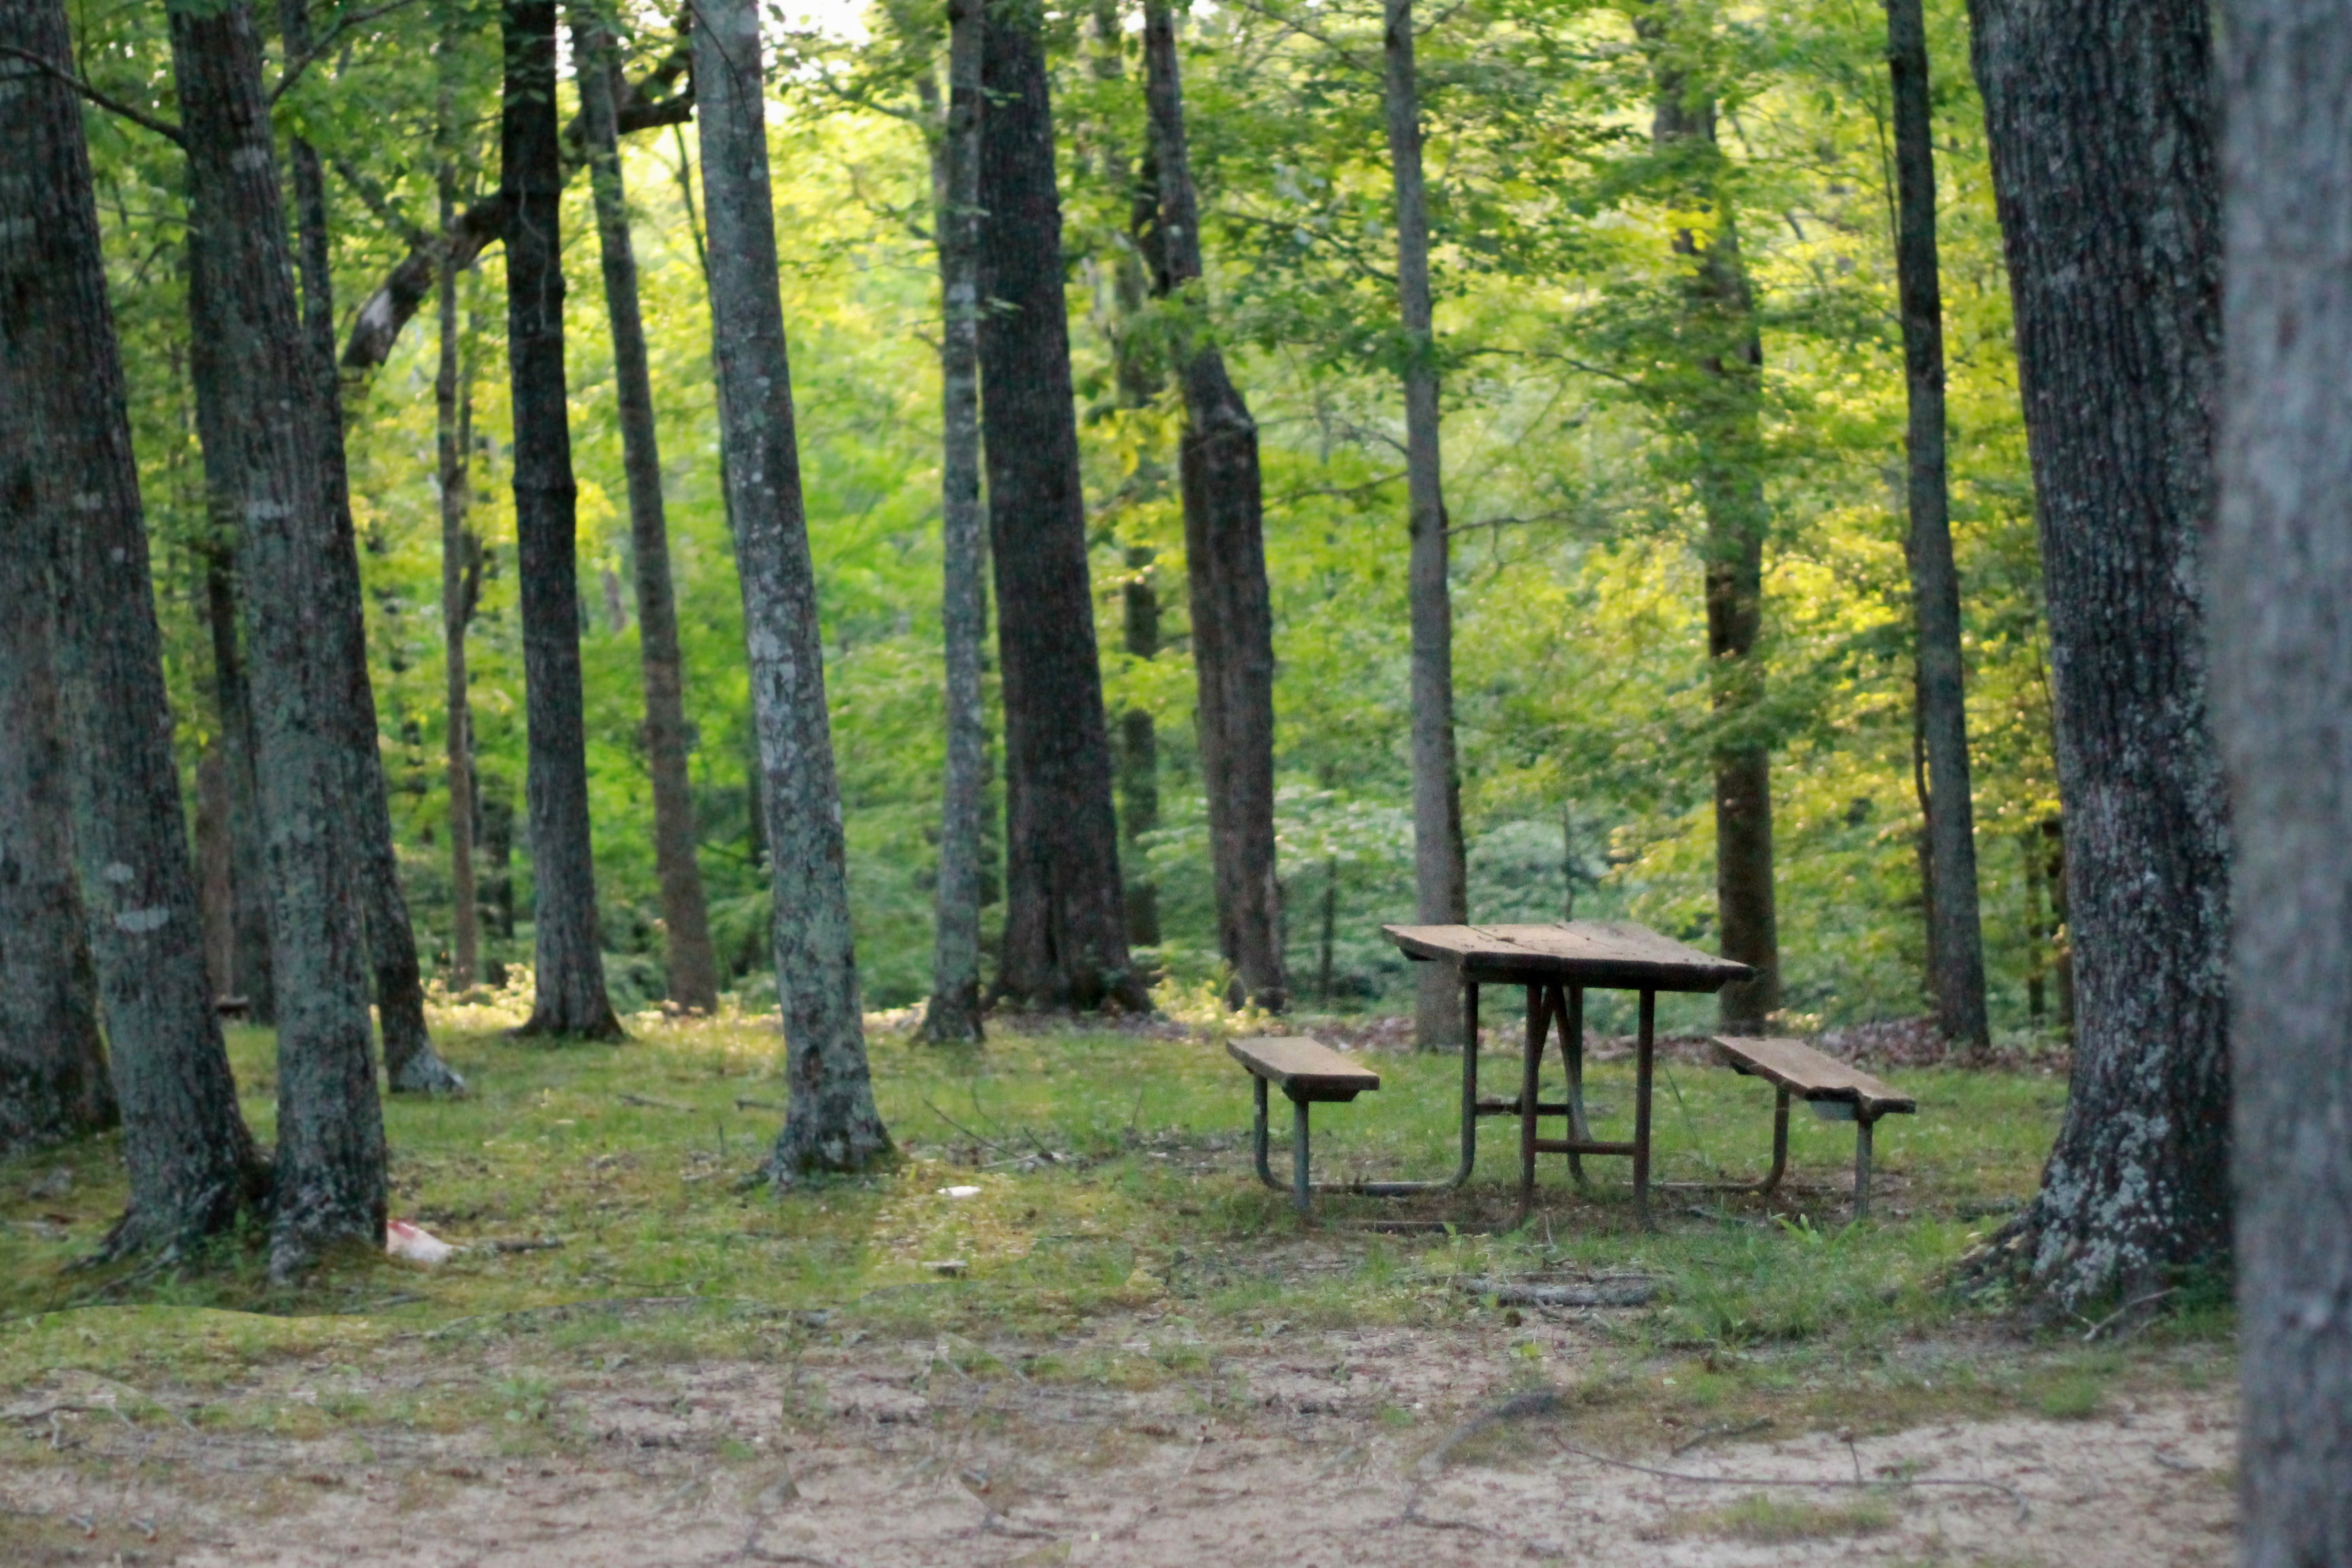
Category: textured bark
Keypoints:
(953, 1011)
(410, 1063)
(464, 234)
(1720, 407)
(568, 955)
(1440, 870)
(2282, 623)
(300, 596)
(1065, 919)
(216, 891)
(2102, 126)
(1224, 544)
(831, 1123)
(686, 922)
(1955, 935)
(53, 1083)
(70, 499)
(461, 585)
(1139, 751)
(249, 969)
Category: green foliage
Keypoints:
(1585, 724)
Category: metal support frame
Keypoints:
(1301, 1188)
(1545, 1003)
(1863, 1125)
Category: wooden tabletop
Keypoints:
(1616, 954)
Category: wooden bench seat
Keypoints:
(1302, 1068)
(1834, 1088)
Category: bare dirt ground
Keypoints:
(1358, 1448)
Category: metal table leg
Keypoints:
(1538, 1025)
(1298, 1185)
(1571, 1046)
(1645, 1055)
(1771, 1182)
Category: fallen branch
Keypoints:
(1626, 1293)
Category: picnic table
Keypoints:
(1557, 964)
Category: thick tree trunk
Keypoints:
(568, 953)
(70, 501)
(831, 1123)
(410, 1062)
(249, 972)
(216, 889)
(686, 921)
(53, 1082)
(2102, 124)
(1955, 935)
(1139, 751)
(1440, 870)
(1721, 409)
(300, 595)
(2281, 619)
(1225, 544)
(1065, 919)
(461, 584)
(953, 1011)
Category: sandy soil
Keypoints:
(1357, 1448)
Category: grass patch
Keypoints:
(597, 1191)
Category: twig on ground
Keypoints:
(985, 1143)
(1891, 1483)
(648, 1101)
(2096, 1329)
(1710, 1434)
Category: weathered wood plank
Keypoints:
(1302, 1068)
(1613, 953)
(1810, 1074)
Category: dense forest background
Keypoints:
(1579, 630)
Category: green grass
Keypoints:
(1114, 1177)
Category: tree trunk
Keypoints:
(2037, 931)
(1138, 753)
(461, 585)
(410, 1062)
(301, 603)
(2281, 613)
(249, 972)
(1441, 871)
(953, 1012)
(1955, 936)
(53, 1082)
(568, 953)
(686, 921)
(2102, 125)
(216, 888)
(1224, 544)
(1065, 919)
(1721, 409)
(832, 1123)
(64, 453)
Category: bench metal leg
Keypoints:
(1771, 1182)
(1862, 1126)
(1298, 1184)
